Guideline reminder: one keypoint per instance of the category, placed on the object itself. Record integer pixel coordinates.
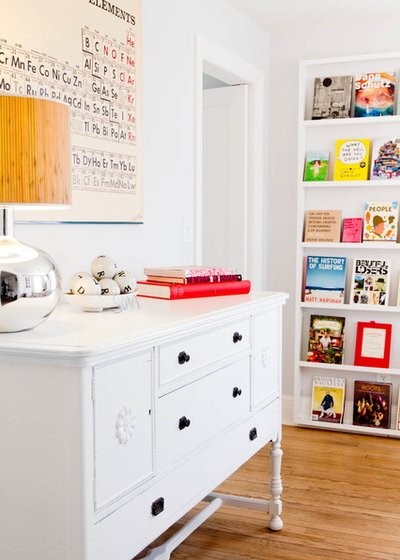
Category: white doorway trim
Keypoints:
(226, 66)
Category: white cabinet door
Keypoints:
(122, 427)
(265, 380)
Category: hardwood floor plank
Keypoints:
(341, 501)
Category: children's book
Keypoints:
(325, 279)
(370, 282)
(352, 230)
(372, 403)
(332, 97)
(328, 399)
(316, 166)
(352, 159)
(374, 94)
(322, 226)
(326, 339)
(385, 161)
(381, 221)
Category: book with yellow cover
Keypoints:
(352, 159)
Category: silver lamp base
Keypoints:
(30, 285)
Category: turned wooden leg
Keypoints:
(275, 522)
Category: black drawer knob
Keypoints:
(253, 434)
(183, 357)
(237, 337)
(157, 506)
(236, 392)
(184, 422)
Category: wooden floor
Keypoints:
(341, 501)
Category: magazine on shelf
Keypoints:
(328, 399)
(325, 279)
(352, 159)
(332, 97)
(370, 281)
(372, 404)
(352, 229)
(385, 159)
(316, 165)
(326, 339)
(322, 226)
(374, 94)
(381, 221)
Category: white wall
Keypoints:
(320, 38)
(169, 38)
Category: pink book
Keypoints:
(352, 230)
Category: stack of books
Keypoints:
(192, 281)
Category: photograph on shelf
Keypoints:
(372, 404)
(325, 279)
(316, 165)
(373, 344)
(328, 399)
(370, 282)
(352, 159)
(374, 94)
(352, 230)
(326, 339)
(385, 159)
(381, 221)
(322, 226)
(332, 97)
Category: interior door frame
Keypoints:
(226, 66)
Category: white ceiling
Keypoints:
(278, 15)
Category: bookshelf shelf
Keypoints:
(349, 197)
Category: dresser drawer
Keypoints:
(123, 450)
(188, 355)
(190, 416)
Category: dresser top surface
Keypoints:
(71, 332)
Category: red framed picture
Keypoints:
(373, 344)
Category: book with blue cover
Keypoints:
(325, 279)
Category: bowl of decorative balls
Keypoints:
(104, 287)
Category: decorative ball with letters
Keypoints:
(125, 281)
(77, 278)
(103, 267)
(109, 287)
(85, 285)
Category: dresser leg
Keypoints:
(275, 504)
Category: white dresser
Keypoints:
(114, 425)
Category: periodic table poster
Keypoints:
(86, 53)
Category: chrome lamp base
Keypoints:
(30, 283)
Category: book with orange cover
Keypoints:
(164, 290)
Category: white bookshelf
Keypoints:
(349, 197)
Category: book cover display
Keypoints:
(374, 94)
(332, 97)
(352, 159)
(328, 399)
(385, 161)
(352, 230)
(372, 403)
(381, 221)
(326, 339)
(373, 344)
(325, 279)
(370, 282)
(316, 166)
(322, 226)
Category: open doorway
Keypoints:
(224, 187)
(230, 121)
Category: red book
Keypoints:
(201, 289)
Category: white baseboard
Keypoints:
(287, 410)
